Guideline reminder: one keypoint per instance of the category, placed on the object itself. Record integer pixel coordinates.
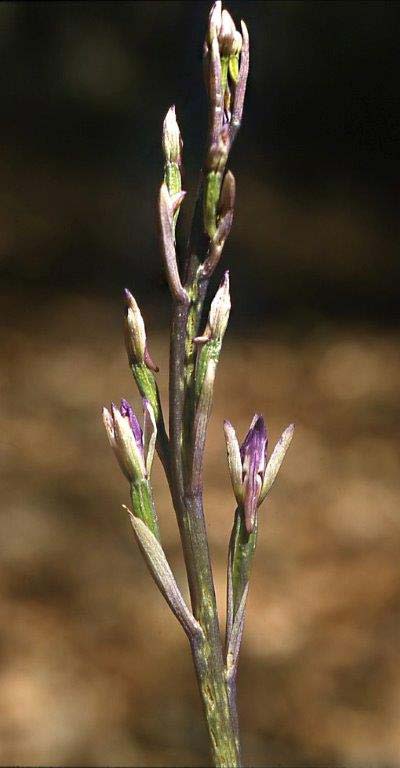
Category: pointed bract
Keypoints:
(214, 21)
(234, 460)
(276, 459)
(219, 313)
(149, 434)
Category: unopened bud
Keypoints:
(130, 452)
(171, 140)
(219, 314)
(135, 331)
(135, 334)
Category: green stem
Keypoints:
(207, 653)
(241, 550)
(143, 506)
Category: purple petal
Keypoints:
(255, 441)
(252, 453)
(127, 411)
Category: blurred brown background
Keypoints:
(93, 669)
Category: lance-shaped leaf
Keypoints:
(166, 209)
(163, 576)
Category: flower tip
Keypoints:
(214, 20)
(130, 301)
(125, 407)
(245, 31)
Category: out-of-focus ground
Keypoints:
(94, 669)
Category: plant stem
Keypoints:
(207, 652)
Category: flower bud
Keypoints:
(135, 328)
(247, 467)
(133, 448)
(219, 313)
(252, 453)
(135, 334)
(171, 140)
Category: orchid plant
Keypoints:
(194, 356)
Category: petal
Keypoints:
(276, 459)
(234, 460)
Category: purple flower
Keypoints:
(252, 477)
(252, 454)
(127, 411)
(133, 447)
